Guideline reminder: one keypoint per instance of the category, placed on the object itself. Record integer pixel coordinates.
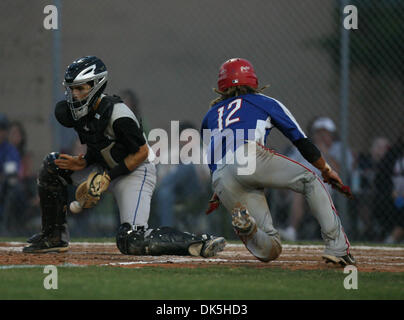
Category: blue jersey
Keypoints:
(229, 123)
(9, 159)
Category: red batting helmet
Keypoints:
(237, 72)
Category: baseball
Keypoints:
(75, 207)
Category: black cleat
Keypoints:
(53, 239)
(36, 237)
(45, 246)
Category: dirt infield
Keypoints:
(294, 257)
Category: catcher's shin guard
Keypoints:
(166, 241)
(52, 190)
(53, 206)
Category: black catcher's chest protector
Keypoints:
(92, 127)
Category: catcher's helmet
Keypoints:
(89, 70)
(237, 72)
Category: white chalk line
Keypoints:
(9, 249)
(187, 260)
(276, 262)
(28, 266)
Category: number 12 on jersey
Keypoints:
(233, 106)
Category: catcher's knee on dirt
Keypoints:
(160, 241)
(52, 189)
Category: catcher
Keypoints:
(241, 108)
(118, 159)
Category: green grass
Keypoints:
(213, 283)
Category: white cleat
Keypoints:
(212, 246)
(208, 247)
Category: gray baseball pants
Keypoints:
(273, 170)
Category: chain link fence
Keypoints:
(344, 87)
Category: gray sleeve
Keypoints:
(121, 110)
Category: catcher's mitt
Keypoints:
(89, 192)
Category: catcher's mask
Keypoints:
(87, 70)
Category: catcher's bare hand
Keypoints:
(74, 163)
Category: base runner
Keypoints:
(249, 116)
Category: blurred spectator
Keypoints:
(17, 136)
(31, 210)
(322, 131)
(9, 156)
(398, 196)
(182, 191)
(363, 185)
(20, 198)
(27, 174)
(9, 167)
(388, 197)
